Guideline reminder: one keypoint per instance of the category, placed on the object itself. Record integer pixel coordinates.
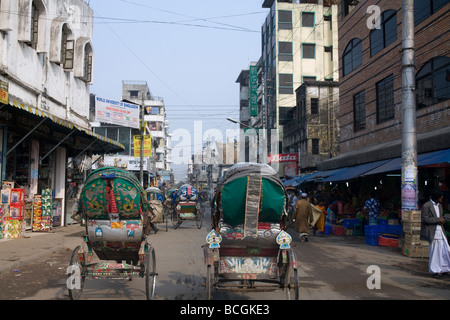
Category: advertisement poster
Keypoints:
(285, 164)
(147, 146)
(116, 112)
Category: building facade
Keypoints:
(371, 80)
(46, 67)
(314, 131)
(157, 166)
(298, 43)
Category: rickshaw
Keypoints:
(186, 206)
(248, 248)
(155, 198)
(117, 217)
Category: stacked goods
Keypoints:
(372, 234)
(12, 212)
(37, 212)
(47, 210)
(412, 245)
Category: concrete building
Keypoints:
(314, 131)
(157, 167)
(46, 67)
(370, 61)
(299, 43)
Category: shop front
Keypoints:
(45, 159)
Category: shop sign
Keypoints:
(285, 157)
(4, 96)
(147, 146)
(117, 112)
(253, 91)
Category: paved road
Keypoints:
(331, 268)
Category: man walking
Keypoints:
(433, 232)
(303, 217)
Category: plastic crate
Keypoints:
(327, 229)
(386, 241)
(371, 241)
(394, 229)
(372, 230)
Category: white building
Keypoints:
(46, 67)
(156, 167)
(299, 43)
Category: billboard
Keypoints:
(288, 163)
(147, 146)
(117, 112)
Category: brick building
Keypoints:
(370, 92)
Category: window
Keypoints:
(308, 78)
(385, 99)
(286, 115)
(286, 83)
(425, 8)
(87, 63)
(352, 57)
(315, 143)
(359, 111)
(309, 51)
(67, 48)
(314, 106)
(284, 51)
(34, 26)
(284, 19)
(386, 34)
(433, 82)
(308, 19)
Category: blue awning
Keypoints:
(424, 159)
(353, 172)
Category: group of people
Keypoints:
(312, 211)
(302, 206)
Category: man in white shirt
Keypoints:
(433, 231)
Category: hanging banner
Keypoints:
(253, 91)
(147, 146)
(4, 92)
(117, 112)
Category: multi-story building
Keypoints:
(370, 58)
(46, 63)
(314, 131)
(156, 167)
(299, 43)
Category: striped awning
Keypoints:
(65, 123)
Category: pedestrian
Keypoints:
(372, 207)
(433, 232)
(303, 217)
(320, 224)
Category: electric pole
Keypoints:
(409, 135)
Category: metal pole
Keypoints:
(141, 164)
(409, 137)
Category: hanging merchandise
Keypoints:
(12, 211)
(42, 211)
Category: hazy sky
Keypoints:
(189, 52)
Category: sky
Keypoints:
(190, 53)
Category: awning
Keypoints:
(353, 172)
(429, 159)
(86, 139)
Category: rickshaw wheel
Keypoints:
(209, 282)
(150, 274)
(292, 284)
(198, 220)
(175, 220)
(75, 289)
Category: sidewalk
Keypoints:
(16, 252)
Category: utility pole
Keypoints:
(409, 132)
(141, 164)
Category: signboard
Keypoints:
(147, 146)
(288, 163)
(116, 112)
(285, 157)
(253, 91)
(4, 92)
